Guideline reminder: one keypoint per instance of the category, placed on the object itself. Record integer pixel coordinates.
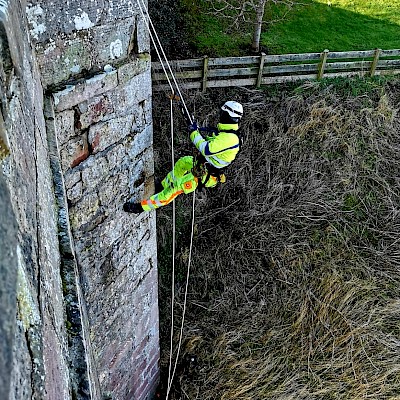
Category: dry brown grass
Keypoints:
(295, 278)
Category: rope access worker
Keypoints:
(216, 151)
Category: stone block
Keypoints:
(84, 211)
(46, 21)
(117, 158)
(71, 178)
(96, 109)
(132, 93)
(141, 141)
(79, 93)
(112, 194)
(75, 193)
(65, 57)
(138, 66)
(116, 229)
(94, 173)
(125, 8)
(107, 133)
(65, 126)
(137, 270)
(74, 152)
(143, 37)
(113, 41)
(68, 55)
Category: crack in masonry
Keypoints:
(133, 47)
(31, 358)
(38, 235)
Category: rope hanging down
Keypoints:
(159, 48)
(173, 251)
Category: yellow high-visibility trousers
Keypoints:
(179, 180)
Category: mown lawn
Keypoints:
(337, 25)
(343, 25)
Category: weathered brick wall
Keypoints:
(84, 272)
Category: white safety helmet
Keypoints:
(234, 109)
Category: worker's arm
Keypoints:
(198, 141)
(205, 146)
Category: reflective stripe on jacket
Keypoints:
(219, 149)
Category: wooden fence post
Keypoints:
(321, 65)
(205, 74)
(260, 70)
(375, 62)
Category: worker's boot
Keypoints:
(158, 187)
(135, 208)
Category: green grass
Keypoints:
(311, 26)
(211, 35)
(342, 26)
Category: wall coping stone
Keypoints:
(72, 95)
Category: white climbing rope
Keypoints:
(164, 55)
(185, 297)
(158, 47)
(152, 39)
(173, 254)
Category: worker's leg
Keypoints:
(156, 201)
(179, 180)
(185, 184)
(161, 199)
(172, 188)
(181, 168)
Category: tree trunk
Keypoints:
(258, 25)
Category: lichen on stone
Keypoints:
(4, 151)
(28, 311)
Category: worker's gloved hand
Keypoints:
(193, 127)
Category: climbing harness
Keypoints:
(175, 93)
(201, 168)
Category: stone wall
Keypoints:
(79, 278)
(103, 129)
(78, 38)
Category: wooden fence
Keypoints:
(203, 73)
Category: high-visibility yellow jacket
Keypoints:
(219, 149)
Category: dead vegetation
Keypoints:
(294, 290)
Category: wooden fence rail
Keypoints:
(203, 73)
